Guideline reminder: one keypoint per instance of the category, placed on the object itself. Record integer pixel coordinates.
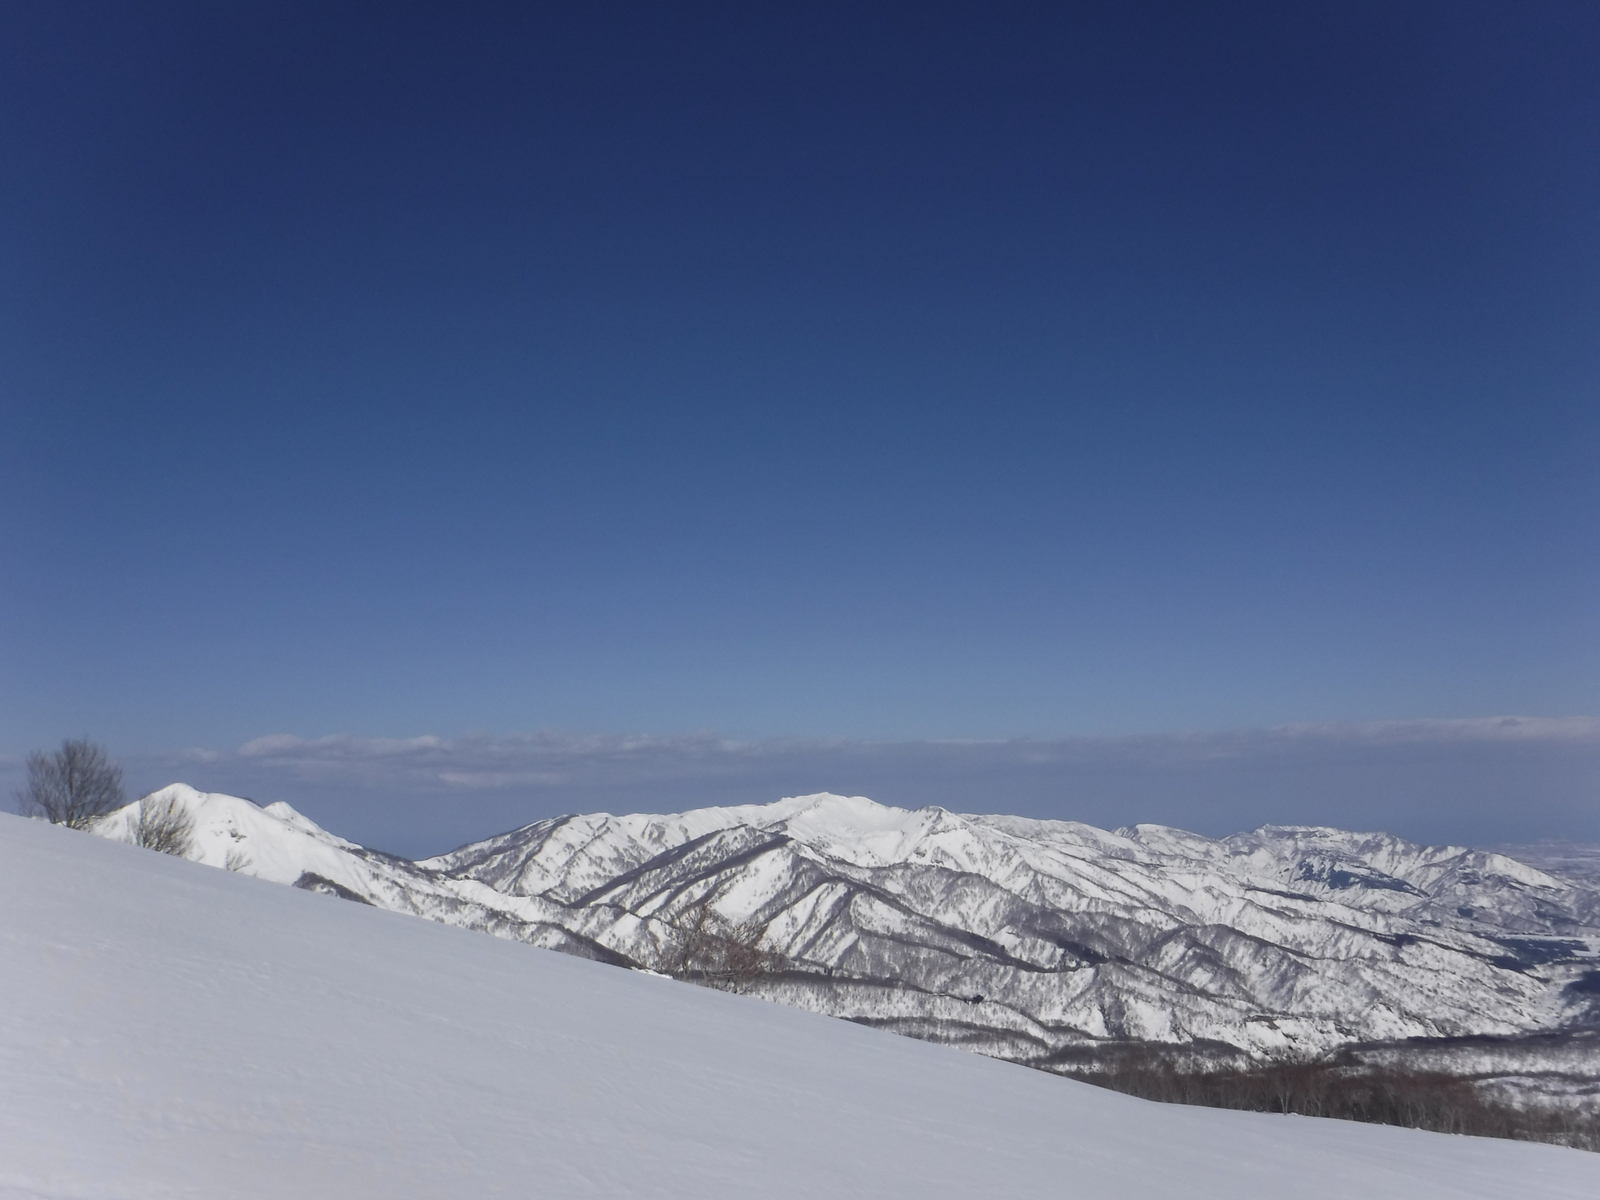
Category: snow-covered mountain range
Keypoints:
(189, 1034)
(1037, 941)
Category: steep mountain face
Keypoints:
(1030, 940)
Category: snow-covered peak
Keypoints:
(853, 828)
(275, 842)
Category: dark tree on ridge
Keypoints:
(75, 786)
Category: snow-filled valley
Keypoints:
(174, 1031)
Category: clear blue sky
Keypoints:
(858, 371)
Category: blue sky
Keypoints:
(877, 373)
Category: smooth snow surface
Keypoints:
(177, 1031)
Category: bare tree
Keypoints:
(164, 825)
(237, 860)
(721, 953)
(75, 786)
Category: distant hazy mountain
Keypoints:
(1038, 941)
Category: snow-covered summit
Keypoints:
(852, 828)
(274, 842)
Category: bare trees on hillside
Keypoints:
(75, 786)
(1381, 1095)
(164, 825)
(717, 952)
(78, 785)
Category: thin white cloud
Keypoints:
(1469, 729)
(548, 759)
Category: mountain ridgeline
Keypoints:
(1044, 942)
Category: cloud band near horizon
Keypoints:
(1473, 781)
(553, 759)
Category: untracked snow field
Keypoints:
(173, 1030)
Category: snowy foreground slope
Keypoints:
(1037, 941)
(174, 1031)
